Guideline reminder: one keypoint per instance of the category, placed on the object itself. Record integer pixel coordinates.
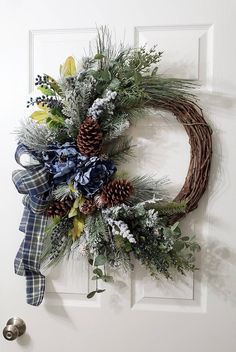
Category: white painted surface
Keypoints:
(136, 314)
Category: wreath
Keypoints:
(77, 199)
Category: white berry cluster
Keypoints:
(120, 228)
(102, 104)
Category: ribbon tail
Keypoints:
(18, 262)
(27, 261)
(35, 287)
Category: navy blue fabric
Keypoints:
(34, 183)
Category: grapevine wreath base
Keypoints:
(76, 199)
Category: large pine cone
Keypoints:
(88, 207)
(114, 193)
(89, 139)
(59, 208)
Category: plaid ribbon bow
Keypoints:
(33, 182)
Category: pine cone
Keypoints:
(59, 208)
(88, 207)
(89, 139)
(114, 193)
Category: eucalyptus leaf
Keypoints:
(98, 272)
(195, 247)
(90, 261)
(173, 227)
(100, 291)
(167, 232)
(185, 238)
(107, 278)
(154, 71)
(105, 75)
(177, 232)
(91, 294)
(99, 56)
(100, 260)
(114, 85)
(100, 87)
(178, 246)
(94, 73)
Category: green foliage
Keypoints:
(122, 70)
(141, 59)
(165, 251)
(159, 247)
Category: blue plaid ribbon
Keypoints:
(33, 182)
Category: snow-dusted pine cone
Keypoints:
(59, 208)
(89, 139)
(114, 193)
(88, 206)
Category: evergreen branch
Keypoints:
(136, 114)
(64, 191)
(167, 208)
(79, 95)
(107, 52)
(164, 90)
(35, 136)
(119, 149)
(65, 250)
(96, 230)
(146, 188)
(57, 243)
(115, 126)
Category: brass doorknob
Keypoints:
(14, 328)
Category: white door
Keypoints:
(136, 314)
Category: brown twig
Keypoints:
(190, 115)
